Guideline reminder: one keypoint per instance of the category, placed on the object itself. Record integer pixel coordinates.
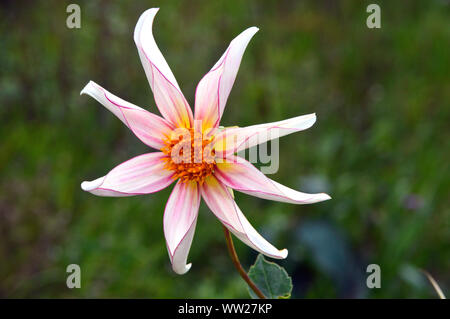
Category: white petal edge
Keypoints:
(168, 96)
(143, 174)
(220, 201)
(239, 174)
(214, 88)
(180, 219)
(235, 139)
(145, 24)
(151, 129)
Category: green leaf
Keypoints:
(273, 281)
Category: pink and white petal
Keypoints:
(180, 218)
(220, 201)
(239, 174)
(149, 128)
(214, 88)
(143, 174)
(235, 139)
(169, 99)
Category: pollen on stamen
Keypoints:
(189, 155)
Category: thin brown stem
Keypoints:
(238, 265)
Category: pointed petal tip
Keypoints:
(250, 31)
(321, 197)
(152, 10)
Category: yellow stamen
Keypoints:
(190, 156)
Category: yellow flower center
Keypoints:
(189, 154)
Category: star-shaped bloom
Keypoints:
(193, 150)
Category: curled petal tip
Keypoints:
(143, 174)
(90, 185)
(180, 218)
(83, 91)
(87, 186)
(283, 253)
(182, 270)
(326, 196)
(310, 120)
(86, 87)
(166, 91)
(313, 119)
(141, 21)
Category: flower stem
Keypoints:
(238, 265)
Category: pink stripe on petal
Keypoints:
(235, 139)
(142, 174)
(149, 128)
(168, 97)
(180, 218)
(237, 173)
(214, 88)
(222, 204)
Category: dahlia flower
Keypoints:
(193, 150)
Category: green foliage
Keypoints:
(273, 280)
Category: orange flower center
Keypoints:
(189, 155)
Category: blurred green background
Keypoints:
(380, 146)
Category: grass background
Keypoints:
(380, 146)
